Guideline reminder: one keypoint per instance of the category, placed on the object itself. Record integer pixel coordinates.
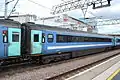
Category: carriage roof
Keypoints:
(61, 30)
(9, 23)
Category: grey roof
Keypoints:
(9, 23)
(60, 30)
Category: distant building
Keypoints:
(66, 21)
(63, 21)
(23, 18)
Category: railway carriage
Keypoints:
(76, 41)
(117, 41)
(49, 40)
(56, 40)
(29, 41)
(10, 39)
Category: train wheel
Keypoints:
(45, 61)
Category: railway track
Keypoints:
(57, 70)
(70, 73)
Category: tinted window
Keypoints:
(62, 38)
(50, 38)
(69, 38)
(36, 37)
(5, 36)
(15, 37)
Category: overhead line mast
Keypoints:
(13, 9)
(79, 4)
(6, 8)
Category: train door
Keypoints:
(14, 39)
(3, 42)
(36, 42)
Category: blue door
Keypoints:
(3, 42)
(14, 41)
(36, 42)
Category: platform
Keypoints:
(108, 70)
(115, 75)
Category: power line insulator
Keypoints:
(93, 5)
(109, 2)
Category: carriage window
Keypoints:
(118, 40)
(36, 37)
(15, 37)
(5, 36)
(69, 38)
(50, 38)
(63, 38)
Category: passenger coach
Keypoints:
(10, 39)
(43, 39)
(76, 41)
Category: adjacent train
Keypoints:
(46, 43)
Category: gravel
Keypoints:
(50, 71)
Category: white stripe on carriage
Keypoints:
(75, 46)
(118, 43)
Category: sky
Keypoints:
(43, 10)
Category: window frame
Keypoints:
(13, 35)
(37, 40)
(50, 38)
(5, 35)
